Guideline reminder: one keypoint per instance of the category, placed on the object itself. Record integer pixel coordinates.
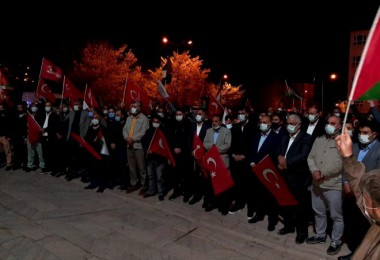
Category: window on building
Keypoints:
(355, 61)
(360, 39)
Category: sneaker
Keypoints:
(316, 240)
(334, 248)
(234, 209)
(250, 214)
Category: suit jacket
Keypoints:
(371, 160)
(53, 124)
(268, 147)
(297, 174)
(319, 129)
(223, 143)
(241, 139)
(84, 122)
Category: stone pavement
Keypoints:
(44, 217)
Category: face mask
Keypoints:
(337, 114)
(179, 118)
(367, 214)
(76, 107)
(48, 109)
(65, 109)
(105, 112)
(111, 115)
(350, 132)
(242, 117)
(160, 114)
(229, 126)
(90, 114)
(275, 125)
(216, 127)
(34, 109)
(264, 127)
(133, 110)
(330, 130)
(312, 118)
(279, 109)
(117, 118)
(155, 125)
(95, 121)
(199, 118)
(291, 128)
(364, 139)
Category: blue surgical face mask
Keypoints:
(111, 114)
(90, 114)
(291, 128)
(117, 118)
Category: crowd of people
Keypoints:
(303, 147)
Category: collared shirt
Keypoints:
(263, 137)
(311, 127)
(291, 140)
(216, 134)
(46, 123)
(364, 151)
(199, 126)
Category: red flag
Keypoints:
(70, 91)
(44, 91)
(220, 176)
(133, 93)
(160, 146)
(198, 149)
(268, 175)
(34, 129)
(50, 71)
(366, 83)
(214, 107)
(90, 99)
(86, 145)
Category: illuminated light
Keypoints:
(190, 42)
(165, 40)
(333, 76)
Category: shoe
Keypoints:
(256, 218)
(316, 240)
(160, 197)
(346, 257)
(250, 214)
(147, 195)
(286, 230)
(28, 169)
(132, 188)
(142, 191)
(9, 167)
(186, 198)
(210, 207)
(100, 189)
(271, 227)
(300, 239)
(334, 248)
(91, 187)
(234, 209)
(44, 171)
(174, 196)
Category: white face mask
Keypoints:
(156, 125)
(350, 132)
(160, 114)
(34, 109)
(291, 129)
(264, 127)
(364, 139)
(76, 107)
(229, 126)
(105, 112)
(95, 121)
(179, 118)
(216, 127)
(330, 130)
(48, 109)
(312, 118)
(242, 117)
(65, 109)
(133, 110)
(337, 114)
(199, 118)
(366, 212)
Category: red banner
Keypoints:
(90, 99)
(133, 93)
(44, 91)
(160, 146)
(268, 175)
(86, 145)
(220, 176)
(214, 107)
(34, 129)
(70, 91)
(198, 149)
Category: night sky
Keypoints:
(251, 42)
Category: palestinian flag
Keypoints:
(366, 83)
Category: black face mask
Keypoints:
(275, 125)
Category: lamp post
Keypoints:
(332, 77)
(187, 43)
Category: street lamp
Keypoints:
(166, 41)
(332, 77)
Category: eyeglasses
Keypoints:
(365, 206)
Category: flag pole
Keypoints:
(63, 88)
(39, 77)
(125, 89)
(151, 140)
(85, 92)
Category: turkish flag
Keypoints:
(220, 176)
(198, 149)
(160, 146)
(214, 107)
(133, 93)
(34, 129)
(50, 71)
(44, 91)
(272, 180)
(86, 145)
(90, 100)
(70, 91)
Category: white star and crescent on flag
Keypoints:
(269, 171)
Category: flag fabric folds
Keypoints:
(132, 93)
(86, 145)
(366, 83)
(167, 72)
(160, 146)
(198, 149)
(273, 181)
(162, 90)
(214, 107)
(292, 92)
(70, 91)
(34, 129)
(44, 91)
(221, 179)
(50, 71)
(89, 99)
